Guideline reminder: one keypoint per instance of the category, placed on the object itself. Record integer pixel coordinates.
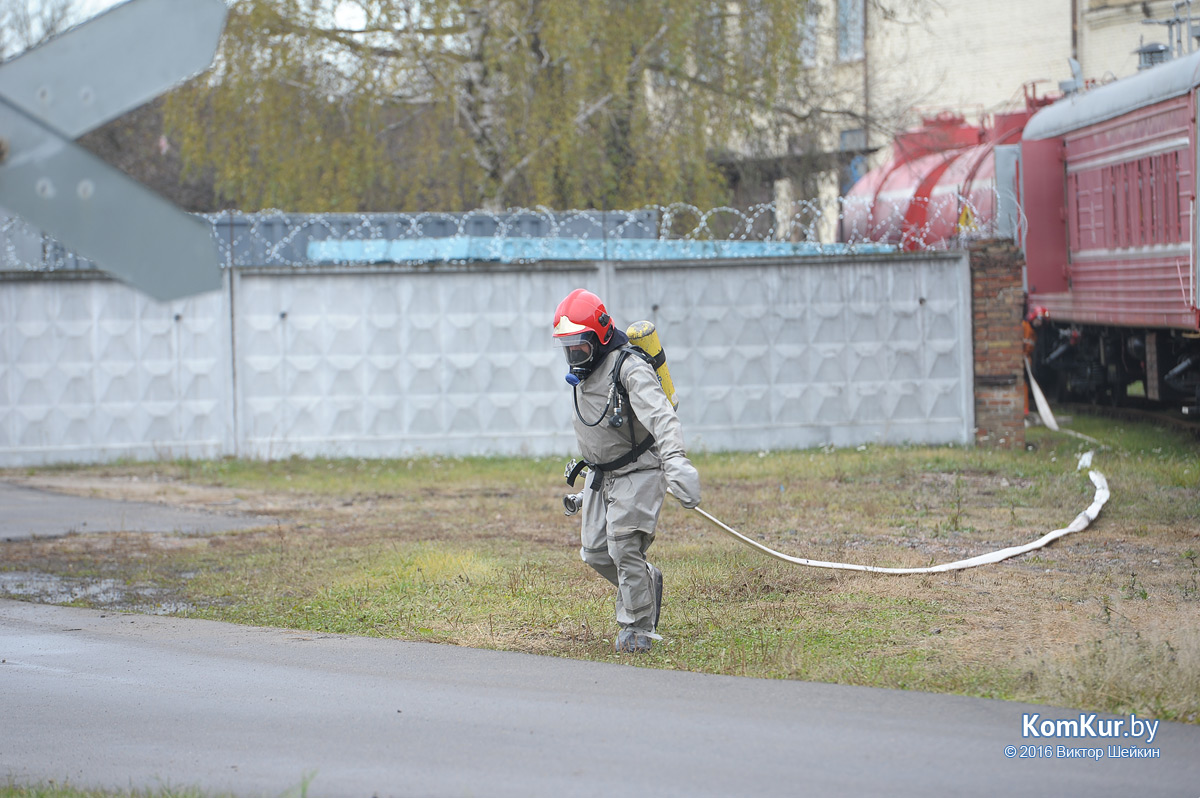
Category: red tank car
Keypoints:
(939, 183)
(908, 201)
(1108, 188)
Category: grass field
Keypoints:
(54, 790)
(477, 552)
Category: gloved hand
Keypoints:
(683, 480)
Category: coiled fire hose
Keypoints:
(1081, 522)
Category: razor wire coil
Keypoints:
(274, 238)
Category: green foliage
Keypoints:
(450, 105)
(349, 476)
(55, 790)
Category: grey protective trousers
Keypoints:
(618, 527)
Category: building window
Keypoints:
(851, 30)
(853, 143)
(756, 31)
(854, 140)
(808, 33)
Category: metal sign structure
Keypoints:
(76, 82)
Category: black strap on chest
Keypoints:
(637, 449)
(623, 353)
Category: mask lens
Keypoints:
(579, 354)
(577, 349)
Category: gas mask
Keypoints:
(580, 350)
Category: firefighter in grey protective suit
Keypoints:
(632, 445)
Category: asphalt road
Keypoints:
(116, 700)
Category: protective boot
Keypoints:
(656, 584)
(633, 641)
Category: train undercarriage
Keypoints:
(1119, 366)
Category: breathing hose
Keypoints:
(1081, 522)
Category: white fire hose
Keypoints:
(1081, 522)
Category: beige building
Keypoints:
(901, 60)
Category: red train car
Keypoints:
(1108, 186)
(1106, 182)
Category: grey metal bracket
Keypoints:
(76, 82)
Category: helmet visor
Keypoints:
(578, 348)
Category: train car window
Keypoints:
(1136, 203)
(1177, 210)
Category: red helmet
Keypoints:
(1036, 313)
(582, 326)
(582, 310)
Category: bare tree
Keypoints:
(28, 23)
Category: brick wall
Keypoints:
(997, 303)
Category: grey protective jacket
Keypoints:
(648, 410)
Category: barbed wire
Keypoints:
(676, 231)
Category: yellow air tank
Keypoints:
(643, 335)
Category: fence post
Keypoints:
(997, 301)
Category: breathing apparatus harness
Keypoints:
(618, 401)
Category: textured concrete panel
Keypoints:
(93, 370)
(399, 361)
(811, 352)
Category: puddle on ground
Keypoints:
(99, 593)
